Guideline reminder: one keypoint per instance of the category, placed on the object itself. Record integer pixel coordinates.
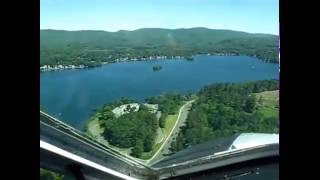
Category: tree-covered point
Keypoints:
(136, 129)
(91, 48)
(222, 110)
(132, 130)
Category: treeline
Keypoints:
(223, 110)
(169, 104)
(261, 47)
(90, 48)
(71, 56)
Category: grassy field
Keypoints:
(268, 103)
(170, 121)
(94, 129)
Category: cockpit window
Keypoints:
(152, 80)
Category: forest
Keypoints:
(91, 48)
(219, 110)
(225, 109)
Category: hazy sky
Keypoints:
(256, 16)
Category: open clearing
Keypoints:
(269, 104)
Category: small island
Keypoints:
(92, 49)
(157, 68)
(189, 58)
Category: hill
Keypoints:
(90, 48)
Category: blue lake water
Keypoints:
(72, 95)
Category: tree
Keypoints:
(162, 120)
(250, 104)
(148, 143)
(260, 101)
(137, 149)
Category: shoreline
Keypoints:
(46, 68)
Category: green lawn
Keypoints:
(269, 112)
(94, 128)
(268, 105)
(170, 121)
(269, 98)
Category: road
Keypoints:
(164, 149)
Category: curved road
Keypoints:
(164, 149)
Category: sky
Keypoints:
(254, 16)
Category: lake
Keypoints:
(72, 95)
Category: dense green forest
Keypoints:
(91, 48)
(136, 129)
(225, 109)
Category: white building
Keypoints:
(125, 108)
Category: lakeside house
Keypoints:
(133, 107)
(125, 109)
(126, 59)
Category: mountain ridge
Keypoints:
(76, 47)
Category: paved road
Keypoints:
(184, 111)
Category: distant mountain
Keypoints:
(85, 47)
